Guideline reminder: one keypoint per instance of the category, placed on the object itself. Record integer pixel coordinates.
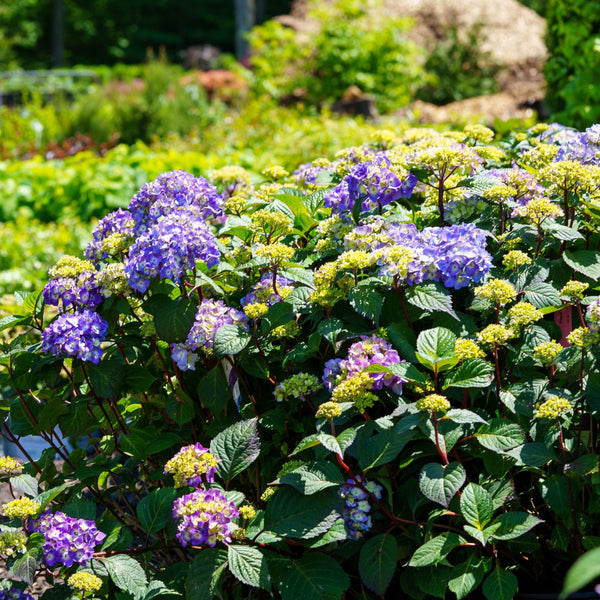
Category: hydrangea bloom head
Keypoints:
(191, 465)
(77, 335)
(9, 592)
(268, 290)
(113, 233)
(67, 540)
(357, 507)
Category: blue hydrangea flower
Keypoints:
(211, 315)
(171, 248)
(116, 229)
(170, 192)
(357, 507)
(9, 592)
(264, 290)
(78, 335)
(67, 540)
(81, 292)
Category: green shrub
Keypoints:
(573, 86)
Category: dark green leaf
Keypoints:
(213, 390)
(542, 295)
(435, 348)
(583, 572)
(230, 339)
(313, 477)
(377, 562)
(500, 436)
(435, 550)
(249, 566)
(155, 509)
(466, 576)
(204, 573)
(500, 585)
(461, 415)
(81, 509)
(237, 447)
(555, 491)
(532, 454)
(106, 378)
(476, 505)
(25, 567)
(127, 574)
(586, 262)
(440, 483)
(366, 302)
(385, 446)
(431, 296)
(472, 373)
(173, 319)
(514, 524)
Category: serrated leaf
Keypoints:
(532, 454)
(329, 442)
(500, 436)
(383, 447)
(237, 447)
(249, 566)
(466, 576)
(542, 295)
(377, 562)
(346, 438)
(204, 573)
(313, 477)
(435, 550)
(25, 567)
(173, 319)
(514, 524)
(106, 378)
(336, 533)
(155, 509)
(461, 415)
(472, 373)
(294, 515)
(26, 484)
(366, 302)
(431, 296)
(127, 574)
(583, 572)
(435, 347)
(213, 390)
(230, 339)
(440, 483)
(586, 262)
(310, 441)
(476, 505)
(330, 329)
(315, 576)
(500, 585)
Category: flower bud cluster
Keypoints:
(192, 465)
(497, 291)
(553, 408)
(433, 403)
(9, 464)
(574, 289)
(84, 581)
(465, 348)
(495, 335)
(12, 541)
(300, 385)
(21, 508)
(357, 507)
(583, 337)
(268, 291)
(523, 314)
(592, 316)
(514, 259)
(547, 352)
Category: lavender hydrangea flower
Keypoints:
(9, 592)
(582, 147)
(205, 518)
(374, 182)
(307, 174)
(264, 291)
(113, 232)
(191, 465)
(67, 540)
(81, 292)
(78, 335)
(170, 192)
(361, 355)
(211, 315)
(171, 248)
(356, 506)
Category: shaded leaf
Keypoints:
(377, 562)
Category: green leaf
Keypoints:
(25, 567)
(472, 373)
(315, 576)
(294, 515)
(106, 378)
(230, 339)
(138, 379)
(383, 447)
(81, 509)
(213, 390)
(313, 477)
(329, 442)
(249, 566)
(583, 572)
(514, 524)
(155, 509)
(439, 483)
(476, 505)
(366, 302)
(377, 562)
(562, 232)
(466, 576)
(336, 533)
(127, 574)
(555, 492)
(461, 415)
(26, 484)
(500, 585)
(586, 262)
(435, 550)
(173, 319)
(310, 441)
(330, 329)
(237, 447)
(541, 295)
(204, 573)
(500, 436)
(435, 348)
(582, 465)
(532, 454)
(431, 296)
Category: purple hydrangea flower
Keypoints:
(374, 183)
(211, 315)
(170, 192)
(119, 222)
(170, 248)
(307, 174)
(192, 465)
(10, 592)
(205, 518)
(81, 292)
(78, 334)
(356, 506)
(67, 540)
(264, 290)
(361, 355)
(581, 147)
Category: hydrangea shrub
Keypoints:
(376, 376)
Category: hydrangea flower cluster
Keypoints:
(582, 147)
(206, 517)
(210, 316)
(170, 248)
(356, 506)
(307, 173)
(78, 293)
(67, 540)
(12, 541)
(553, 408)
(169, 193)
(299, 385)
(375, 183)
(84, 581)
(268, 291)
(433, 403)
(191, 465)
(361, 355)
(10, 592)
(20, 508)
(592, 316)
(547, 352)
(113, 234)
(77, 335)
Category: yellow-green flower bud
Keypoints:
(247, 511)
(582, 337)
(267, 494)
(12, 542)
(275, 172)
(497, 291)
(553, 408)
(9, 464)
(574, 289)
(70, 266)
(523, 314)
(433, 403)
(547, 352)
(328, 410)
(84, 581)
(256, 310)
(465, 348)
(495, 335)
(514, 259)
(21, 508)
